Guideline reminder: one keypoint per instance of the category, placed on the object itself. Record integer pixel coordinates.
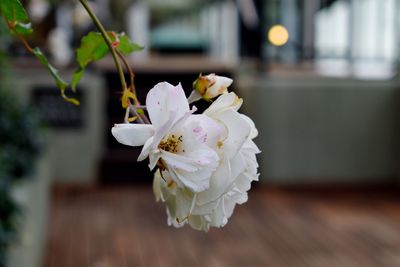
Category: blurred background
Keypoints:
(320, 78)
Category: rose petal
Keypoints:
(194, 96)
(132, 134)
(164, 101)
(225, 101)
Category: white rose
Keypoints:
(209, 87)
(179, 142)
(230, 181)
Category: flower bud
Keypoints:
(209, 87)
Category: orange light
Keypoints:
(278, 35)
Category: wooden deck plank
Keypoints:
(109, 227)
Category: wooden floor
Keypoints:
(119, 227)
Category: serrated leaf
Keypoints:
(92, 48)
(126, 46)
(13, 11)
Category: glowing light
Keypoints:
(278, 35)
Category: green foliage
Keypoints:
(140, 111)
(23, 28)
(126, 46)
(61, 84)
(20, 142)
(16, 16)
(8, 226)
(13, 11)
(18, 21)
(93, 48)
(20, 138)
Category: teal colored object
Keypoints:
(178, 38)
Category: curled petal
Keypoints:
(238, 131)
(224, 102)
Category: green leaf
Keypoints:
(53, 71)
(92, 48)
(23, 28)
(61, 84)
(76, 77)
(126, 46)
(13, 11)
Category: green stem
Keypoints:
(107, 40)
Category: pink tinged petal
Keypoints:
(194, 96)
(223, 102)
(165, 101)
(199, 130)
(132, 134)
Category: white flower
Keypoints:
(206, 162)
(209, 87)
(229, 183)
(182, 144)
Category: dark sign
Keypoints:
(55, 111)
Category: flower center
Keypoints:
(171, 144)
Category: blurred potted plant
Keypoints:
(20, 144)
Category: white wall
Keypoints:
(324, 129)
(73, 153)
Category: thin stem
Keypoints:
(20, 37)
(131, 74)
(106, 38)
(117, 56)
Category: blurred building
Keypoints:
(319, 78)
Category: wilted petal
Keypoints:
(219, 87)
